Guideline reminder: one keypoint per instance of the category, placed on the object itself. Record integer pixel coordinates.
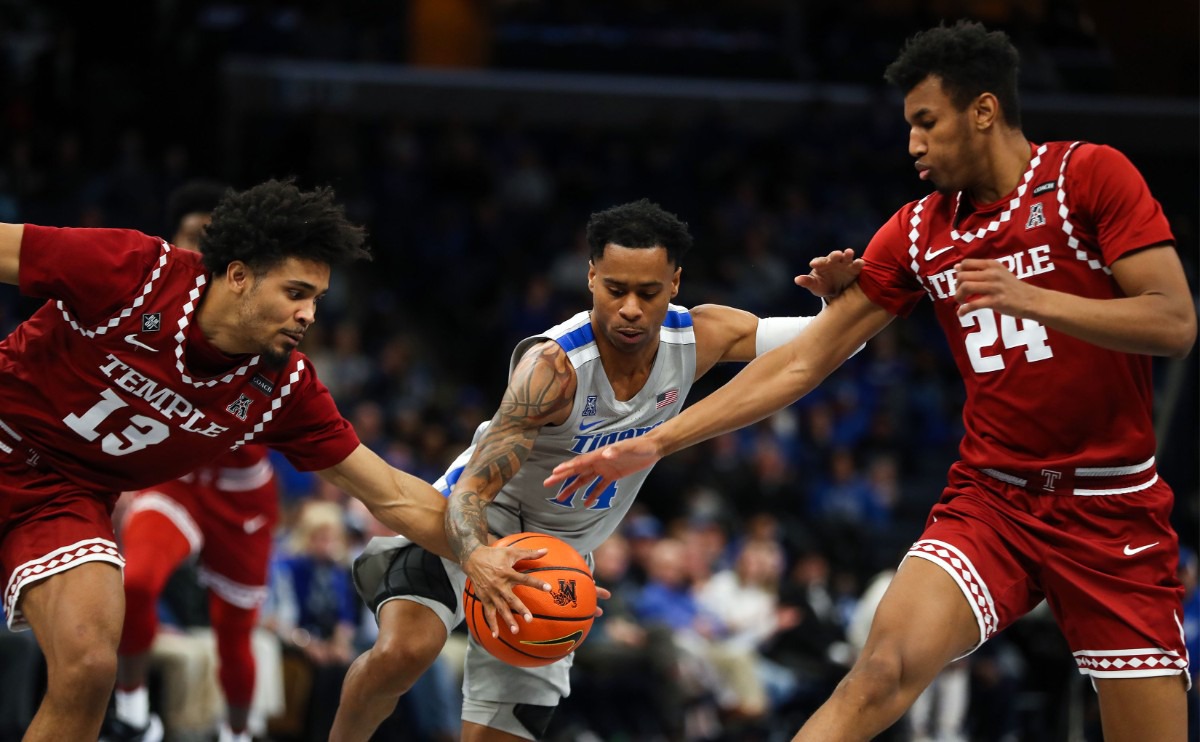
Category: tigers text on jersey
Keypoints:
(1037, 399)
(597, 419)
(95, 385)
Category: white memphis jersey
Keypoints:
(597, 418)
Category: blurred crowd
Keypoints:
(743, 579)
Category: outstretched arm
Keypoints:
(769, 383)
(539, 393)
(726, 334)
(400, 501)
(10, 251)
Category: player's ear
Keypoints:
(238, 275)
(985, 111)
(675, 281)
(591, 275)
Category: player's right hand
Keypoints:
(603, 466)
(493, 579)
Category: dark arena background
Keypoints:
(473, 139)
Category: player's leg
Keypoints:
(76, 616)
(410, 638)
(1136, 709)
(472, 732)
(155, 544)
(1119, 608)
(416, 598)
(233, 626)
(234, 563)
(923, 622)
(506, 703)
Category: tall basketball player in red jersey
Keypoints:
(224, 513)
(146, 363)
(1053, 274)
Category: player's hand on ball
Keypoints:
(491, 571)
(831, 274)
(601, 594)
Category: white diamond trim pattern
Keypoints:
(963, 571)
(276, 403)
(188, 308)
(1065, 213)
(59, 560)
(1005, 215)
(124, 313)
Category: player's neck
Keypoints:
(627, 373)
(1007, 159)
(213, 318)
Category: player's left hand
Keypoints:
(987, 284)
(831, 274)
(493, 579)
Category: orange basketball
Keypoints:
(562, 617)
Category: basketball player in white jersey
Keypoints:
(609, 374)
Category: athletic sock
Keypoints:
(228, 735)
(133, 707)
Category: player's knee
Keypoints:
(401, 661)
(86, 673)
(877, 676)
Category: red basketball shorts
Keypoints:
(230, 529)
(1105, 565)
(48, 525)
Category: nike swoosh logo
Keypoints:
(254, 523)
(132, 340)
(585, 426)
(1131, 552)
(930, 255)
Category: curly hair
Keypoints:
(198, 196)
(638, 224)
(264, 225)
(970, 61)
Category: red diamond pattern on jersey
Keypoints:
(1129, 663)
(124, 313)
(59, 560)
(960, 568)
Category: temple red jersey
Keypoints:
(1039, 401)
(97, 386)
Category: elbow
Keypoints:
(1183, 340)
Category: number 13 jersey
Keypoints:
(96, 385)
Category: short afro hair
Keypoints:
(968, 59)
(273, 221)
(638, 224)
(198, 196)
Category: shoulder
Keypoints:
(544, 366)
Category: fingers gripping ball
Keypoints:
(562, 617)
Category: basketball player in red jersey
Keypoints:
(1053, 274)
(146, 363)
(225, 513)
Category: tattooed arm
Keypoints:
(539, 393)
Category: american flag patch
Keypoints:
(666, 398)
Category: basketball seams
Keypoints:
(550, 620)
